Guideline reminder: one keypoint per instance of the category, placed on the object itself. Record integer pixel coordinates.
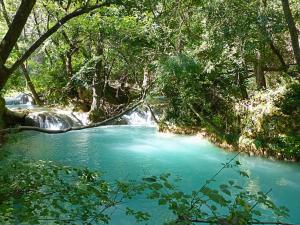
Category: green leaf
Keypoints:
(162, 201)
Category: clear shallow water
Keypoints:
(128, 152)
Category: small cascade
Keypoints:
(51, 120)
(22, 100)
(58, 119)
(140, 116)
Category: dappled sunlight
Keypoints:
(154, 92)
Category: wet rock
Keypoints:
(50, 120)
(22, 98)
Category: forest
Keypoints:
(225, 70)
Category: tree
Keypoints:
(293, 30)
(99, 82)
(16, 27)
(14, 31)
(23, 66)
(11, 38)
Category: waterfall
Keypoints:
(22, 100)
(59, 119)
(56, 119)
(140, 116)
(51, 120)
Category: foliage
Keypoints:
(39, 192)
(291, 101)
(203, 54)
(206, 57)
(186, 82)
(228, 203)
(270, 120)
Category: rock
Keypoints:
(50, 120)
(22, 98)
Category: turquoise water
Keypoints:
(128, 152)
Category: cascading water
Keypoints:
(55, 119)
(140, 116)
(22, 100)
(51, 120)
(60, 119)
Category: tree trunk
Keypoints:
(259, 73)
(23, 67)
(96, 113)
(277, 52)
(35, 18)
(267, 33)
(68, 66)
(30, 85)
(11, 37)
(54, 28)
(2, 113)
(4, 74)
(17, 25)
(293, 30)
(69, 54)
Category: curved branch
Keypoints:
(15, 29)
(53, 29)
(47, 131)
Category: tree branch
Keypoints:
(15, 29)
(53, 29)
(292, 30)
(47, 131)
(35, 19)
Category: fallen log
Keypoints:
(48, 131)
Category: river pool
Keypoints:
(131, 152)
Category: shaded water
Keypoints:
(128, 152)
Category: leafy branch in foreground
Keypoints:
(228, 204)
(39, 192)
(36, 192)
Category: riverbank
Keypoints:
(248, 148)
(266, 124)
